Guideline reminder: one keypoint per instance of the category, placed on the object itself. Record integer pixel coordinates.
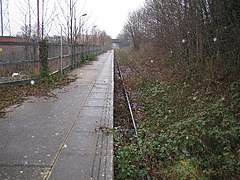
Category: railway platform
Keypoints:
(64, 136)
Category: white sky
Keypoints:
(108, 15)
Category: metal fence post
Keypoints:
(61, 63)
(70, 54)
(74, 54)
(35, 54)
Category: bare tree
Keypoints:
(196, 32)
(134, 28)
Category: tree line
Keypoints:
(196, 34)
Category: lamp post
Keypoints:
(1, 17)
(81, 27)
(42, 18)
(93, 34)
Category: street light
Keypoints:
(80, 20)
(42, 18)
(81, 25)
(93, 34)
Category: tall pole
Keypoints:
(30, 24)
(71, 32)
(61, 65)
(26, 29)
(1, 17)
(93, 34)
(42, 18)
(81, 28)
(71, 21)
(38, 33)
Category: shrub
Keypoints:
(44, 72)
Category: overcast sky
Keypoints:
(108, 15)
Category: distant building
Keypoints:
(14, 49)
(13, 39)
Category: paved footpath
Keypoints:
(63, 138)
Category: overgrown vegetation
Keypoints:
(186, 74)
(191, 129)
(91, 57)
(44, 70)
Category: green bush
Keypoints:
(129, 160)
(91, 57)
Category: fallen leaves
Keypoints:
(13, 95)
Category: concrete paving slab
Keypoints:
(86, 161)
(76, 170)
(97, 95)
(88, 124)
(23, 172)
(88, 147)
(95, 102)
(91, 112)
